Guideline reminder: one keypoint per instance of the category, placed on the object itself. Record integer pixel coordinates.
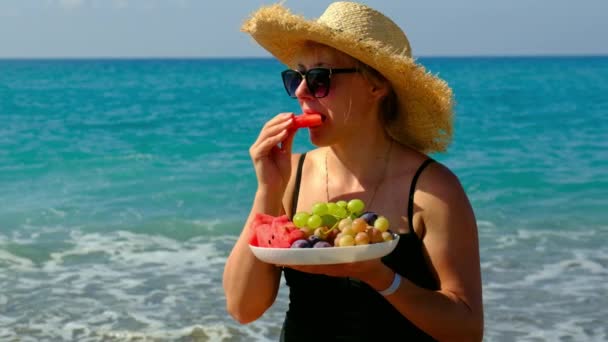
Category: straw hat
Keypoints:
(425, 103)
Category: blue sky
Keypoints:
(203, 28)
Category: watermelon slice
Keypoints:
(307, 120)
(259, 220)
(276, 232)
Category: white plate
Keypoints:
(324, 256)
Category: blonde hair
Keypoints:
(389, 105)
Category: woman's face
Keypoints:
(350, 104)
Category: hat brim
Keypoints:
(425, 101)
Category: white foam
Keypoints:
(57, 212)
(567, 329)
(545, 284)
(140, 280)
(124, 286)
(10, 260)
(485, 224)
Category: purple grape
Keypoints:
(369, 217)
(321, 244)
(301, 243)
(313, 239)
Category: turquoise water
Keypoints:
(124, 184)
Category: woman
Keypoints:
(381, 114)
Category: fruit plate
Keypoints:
(324, 256)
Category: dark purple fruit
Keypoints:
(321, 244)
(369, 217)
(301, 243)
(313, 239)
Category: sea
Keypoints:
(124, 183)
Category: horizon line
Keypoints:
(159, 57)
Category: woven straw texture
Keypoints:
(425, 102)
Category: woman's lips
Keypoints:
(312, 111)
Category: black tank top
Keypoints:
(323, 308)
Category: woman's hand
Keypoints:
(271, 153)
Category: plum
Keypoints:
(301, 243)
(313, 239)
(369, 217)
(321, 244)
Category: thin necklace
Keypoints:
(386, 159)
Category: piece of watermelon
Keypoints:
(271, 231)
(258, 220)
(307, 120)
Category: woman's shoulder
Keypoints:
(439, 178)
(440, 191)
(433, 176)
(308, 155)
(311, 156)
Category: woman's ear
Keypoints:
(380, 89)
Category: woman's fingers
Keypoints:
(269, 143)
(288, 142)
(275, 126)
(274, 132)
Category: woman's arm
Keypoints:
(250, 285)
(455, 311)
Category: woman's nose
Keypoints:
(302, 90)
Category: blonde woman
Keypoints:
(382, 114)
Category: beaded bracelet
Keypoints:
(394, 286)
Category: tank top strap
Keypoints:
(410, 205)
(296, 187)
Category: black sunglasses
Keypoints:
(317, 80)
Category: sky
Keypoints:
(204, 28)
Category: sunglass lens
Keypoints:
(318, 82)
(291, 81)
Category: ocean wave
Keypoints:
(122, 286)
(547, 284)
(544, 284)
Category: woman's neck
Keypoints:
(361, 161)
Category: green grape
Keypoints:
(328, 220)
(355, 206)
(342, 204)
(331, 208)
(346, 240)
(381, 223)
(348, 231)
(340, 213)
(336, 210)
(314, 221)
(319, 208)
(345, 222)
(387, 236)
(301, 219)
